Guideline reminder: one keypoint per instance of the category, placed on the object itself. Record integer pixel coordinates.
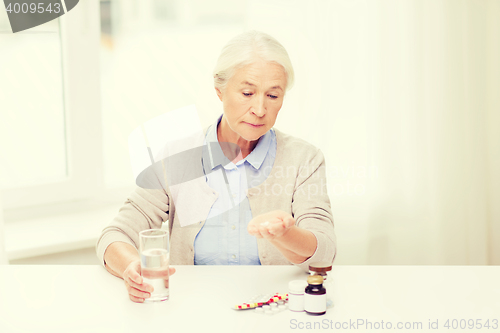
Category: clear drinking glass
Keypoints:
(155, 257)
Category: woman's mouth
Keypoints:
(254, 125)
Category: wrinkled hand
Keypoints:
(271, 225)
(138, 291)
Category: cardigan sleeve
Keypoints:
(312, 211)
(143, 209)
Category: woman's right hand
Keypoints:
(138, 291)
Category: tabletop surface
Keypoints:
(89, 299)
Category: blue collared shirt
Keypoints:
(224, 239)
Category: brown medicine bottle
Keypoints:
(315, 296)
(322, 268)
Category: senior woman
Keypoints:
(283, 215)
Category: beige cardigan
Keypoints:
(296, 185)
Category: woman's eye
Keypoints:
(247, 94)
(273, 96)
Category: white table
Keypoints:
(88, 299)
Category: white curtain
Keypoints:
(402, 97)
(434, 134)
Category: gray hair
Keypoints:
(245, 49)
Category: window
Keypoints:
(49, 97)
(97, 78)
(31, 97)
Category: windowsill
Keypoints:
(48, 235)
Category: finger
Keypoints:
(252, 230)
(289, 221)
(134, 274)
(277, 229)
(144, 286)
(171, 270)
(257, 235)
(264, 229)
(136, 299)
(264, 232)
(136, 292)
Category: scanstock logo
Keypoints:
(26, 14)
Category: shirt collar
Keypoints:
(255, 158)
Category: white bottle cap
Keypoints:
(297, 286)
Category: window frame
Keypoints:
(80, 60)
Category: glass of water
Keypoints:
(155, 257)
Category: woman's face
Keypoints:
(252, 99)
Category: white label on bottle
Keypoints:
(296, 302)
(315, 303)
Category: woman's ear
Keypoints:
(219, 93)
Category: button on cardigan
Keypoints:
(296, 185)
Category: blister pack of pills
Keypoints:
(265, 303)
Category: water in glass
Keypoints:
(154, 266)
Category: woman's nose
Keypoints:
(259, 107)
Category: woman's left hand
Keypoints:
(271, 225)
